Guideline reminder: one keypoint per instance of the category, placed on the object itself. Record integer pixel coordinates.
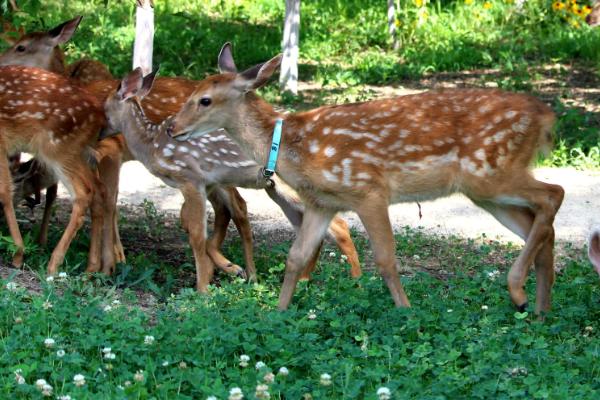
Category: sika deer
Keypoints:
(366, 156)
(42, 113)
(195, 167)
(165, 100)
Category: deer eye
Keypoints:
(205, 101)
(20, 48)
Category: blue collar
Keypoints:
(269, 169)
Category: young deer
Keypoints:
(44, 114)
(165, 100)
(194, 167)
(594, 250)
(366, 156)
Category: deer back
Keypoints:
(43, 112)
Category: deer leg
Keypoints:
(218, 198)
(193, 220)
(542, 202)
(311, 265)
(239, 214)
(310, 236)
(292, 207)
(97, 211)
(340, 232)
(376, 219)
(9, 210)
(79, 179)
(50, 198)
(112, 250)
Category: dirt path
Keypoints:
(453, 215)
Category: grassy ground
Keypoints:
(461, 339)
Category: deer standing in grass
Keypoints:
(594, 250)
(195, 167)
(44, 114)
(169, 94)
(366, 156)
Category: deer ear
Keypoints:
(594, 250)
(257, 76)
(130, 85)
(226, 63)
(63, 32)
(147, 83)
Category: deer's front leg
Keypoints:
(9, 210)
(193, 220)
(312, 231)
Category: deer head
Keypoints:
(133, 87)
(203, 112)
(40, 49)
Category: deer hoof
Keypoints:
(523, 307)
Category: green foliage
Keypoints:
(461, 339)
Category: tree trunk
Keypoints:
(144, 35)
(291, 37)
(391, 15)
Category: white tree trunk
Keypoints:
(291, 37)
(391, 15)
(144, 35)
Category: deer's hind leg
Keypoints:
(219, 199)
(528, 209)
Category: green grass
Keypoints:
(461, 339)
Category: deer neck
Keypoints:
(252, 127)
(140, 133)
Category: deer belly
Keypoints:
(421, 185)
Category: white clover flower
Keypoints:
(12, 286)
(60, 353)
(484, 307)
(325, 379)
(107, 308)
(139, 376)
(492, 275)
(18, 377)
(116, 303)
(148, 339)
(40, 383)
(416, 257)
(47, 390)
(110, 356)
(211, 398)
(106, 350)
(65, 397)
(49, 342)
(269, 377)
(312, 314)
(50, 279)
(165, 363)
(244, 360)
(79, 380)
(384, 393)
(283, 371)
(343, 258)
(589, 328)
(63, 275)
(260, 364)
(183, 365)
(262, 392)
(127, 383)
(47, 305)
(332, 254)
(450, 310)
(236, 394)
